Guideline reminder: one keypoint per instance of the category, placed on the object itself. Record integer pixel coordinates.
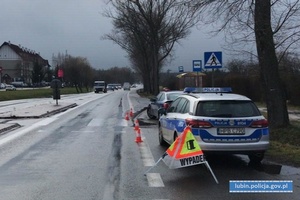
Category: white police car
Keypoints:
(221, 122)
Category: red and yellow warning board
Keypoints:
(184, 151)
(185, 145)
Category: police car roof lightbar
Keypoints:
(208, 90)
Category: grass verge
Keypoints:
(33, 93)
(284, 145)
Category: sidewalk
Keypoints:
(36, 111)
(46, 109)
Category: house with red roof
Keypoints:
(16, 63)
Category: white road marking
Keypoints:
(82, 131)
(43, 122)
(123, 122)
(154, 180)
(108, 192)
(130, 104)
(146, 154)
(95, 122)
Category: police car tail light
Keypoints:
(259, 124)
(198, 123)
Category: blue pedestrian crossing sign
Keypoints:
(197, 65)
(212, 60)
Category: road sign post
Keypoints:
(197, 67)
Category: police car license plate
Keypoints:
(231, 131)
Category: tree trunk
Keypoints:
(275, 96)
(156, 76)
(146, 83)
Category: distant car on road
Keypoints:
(110, 87)
(10, 88)
(100, 86)
(126, 86)
(163, 99)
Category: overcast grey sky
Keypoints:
(76, 26)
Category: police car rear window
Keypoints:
(227, 108)
(173, 96)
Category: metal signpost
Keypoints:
(197, 67)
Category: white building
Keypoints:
(16, 63)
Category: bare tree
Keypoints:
(78, 72)
(271, 26)
(150, 27)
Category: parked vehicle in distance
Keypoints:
(119, 86)
(2, 86)
(163, 99)
(221, 122)
(100, 86)
(10, 88)
(126, 86)
(18, 84)
(110, 87)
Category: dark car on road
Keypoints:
(110, 87)
(163, 99)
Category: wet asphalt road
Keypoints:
(90, 152)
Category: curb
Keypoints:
(57, 111)
(9, 128)
(47, 114)
(142, 121)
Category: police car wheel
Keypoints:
(161, 140)
(256, 157)
(175, 136)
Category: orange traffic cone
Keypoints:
(127, 117)
(136, 125)
(138, 138)
(131, 113)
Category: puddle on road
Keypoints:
(239, 161)
(275, 168)
(288, 170)
(269, 168)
